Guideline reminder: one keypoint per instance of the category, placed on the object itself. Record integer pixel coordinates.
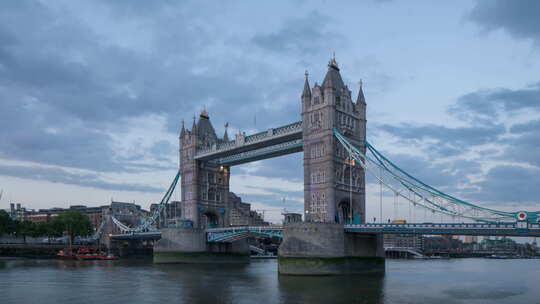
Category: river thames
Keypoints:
(140, 281)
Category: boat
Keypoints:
(85, 254)
(495, 256)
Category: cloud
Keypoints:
(70, 86)
(445, 141)
(510, 185)
(304, 35)
(485, 106)
(487, 160)
(57, 175)
(518, 18)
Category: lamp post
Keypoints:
(351, 163)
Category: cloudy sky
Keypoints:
(92, 93)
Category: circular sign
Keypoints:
(522, 215)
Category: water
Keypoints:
(139, 281)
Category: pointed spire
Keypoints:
(307, 91)
(333, 77)
(194, 127)
(226, 135)
(360, 99)
(183, 130)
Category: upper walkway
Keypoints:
(243, 149)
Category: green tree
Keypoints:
(6, 223)
(73, 223)
(25, 228)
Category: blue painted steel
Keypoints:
(236, 233)
(496, 229)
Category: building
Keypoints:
(128, 213)
(171, 211)
(413, 241)
(16, 212)
(240, 213)
(291, 217)
(334, 185)
(470, 239)
(42, 215)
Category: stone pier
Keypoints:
(311, 248)
(189, 245)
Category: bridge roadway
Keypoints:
(229, 234)
(494, 229)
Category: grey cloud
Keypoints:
(303, 35)
(518, 18)
(56, 175)
(449, 141)
(510, 184)
(485, 106)
(530, 126)
(502, 184)
(524, 149)
(58, 74)
(445, 176)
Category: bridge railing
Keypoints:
(251, 139)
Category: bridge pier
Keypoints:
(311, 248)
(189, 245)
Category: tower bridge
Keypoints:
(334, 237)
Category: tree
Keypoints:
(25, 228)
(6, 223)
(73, 223)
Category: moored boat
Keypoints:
(84, 254)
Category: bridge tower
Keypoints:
(204, 185)
(333, 184)
(334, 188)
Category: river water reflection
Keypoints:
(140, 281)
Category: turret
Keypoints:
(226, 135)
(333, 83)
(306, 94)
(194, 126)
(183, 130)
(360, 99)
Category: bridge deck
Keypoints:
(229, 234)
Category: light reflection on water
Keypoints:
(140, 281)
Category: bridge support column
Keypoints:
(189, 245)
(311, 248)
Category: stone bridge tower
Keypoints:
(204, 185)
(331, 180)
